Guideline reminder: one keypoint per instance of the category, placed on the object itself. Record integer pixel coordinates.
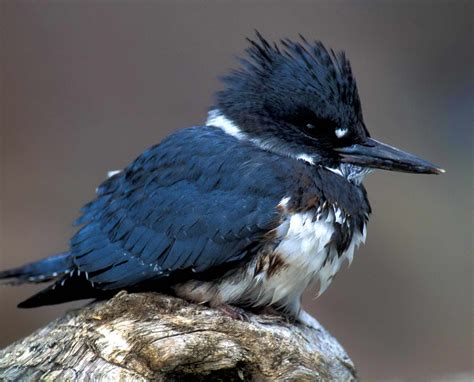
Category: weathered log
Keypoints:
(150, 336)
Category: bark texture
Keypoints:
(154, 337)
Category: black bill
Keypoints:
(374, 154)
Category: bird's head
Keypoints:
(300, 99)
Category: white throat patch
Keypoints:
(351, 172)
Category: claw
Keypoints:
(234, 312)
(272, 315)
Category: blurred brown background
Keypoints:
(86, 86)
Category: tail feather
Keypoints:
(43, 270)
(68, 283)
(67, 288)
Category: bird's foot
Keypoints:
(233, 312)
(306, 319)
(269, 314)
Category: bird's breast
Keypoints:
(310, 246)
(313, 246)
(307, 246)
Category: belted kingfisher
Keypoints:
(245, 211)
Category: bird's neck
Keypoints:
(218, 119)
(352, 173)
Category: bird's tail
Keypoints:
(40, 271)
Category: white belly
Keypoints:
(302, 252)
(278, 276)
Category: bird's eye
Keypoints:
(320, 128)
(316, 126)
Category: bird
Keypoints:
(245, 211)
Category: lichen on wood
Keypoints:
(155, 337)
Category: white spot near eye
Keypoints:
(341, 132)
(310, 126)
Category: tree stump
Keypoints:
(155, 337)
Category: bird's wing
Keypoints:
(197, 201)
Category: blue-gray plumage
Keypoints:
(177, 209)
(247, 209)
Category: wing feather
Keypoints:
(186, 204)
